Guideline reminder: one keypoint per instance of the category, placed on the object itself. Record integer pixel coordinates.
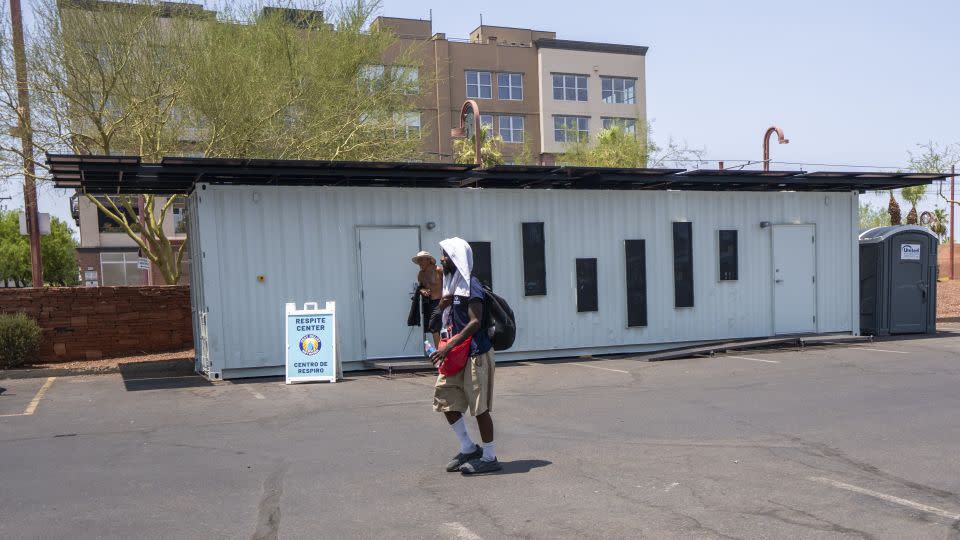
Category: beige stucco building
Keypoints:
(530, 86)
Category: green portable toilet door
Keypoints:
(909, 282)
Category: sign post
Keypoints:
(312, 353)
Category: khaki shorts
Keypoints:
(471, 389)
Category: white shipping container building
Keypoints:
(724, 254)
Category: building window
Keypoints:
(587, 285)
(636, 260)
(571, 128)
(409, 123)
(629, 125)
(371, 75)
(569, 87)
(510, 86)
(479, 85)
(482, 262)
(728, 255)
(120, 269)
(107, 225)
(511, 129)
(487, 120)
(409, 76)
(618, 90)
(683, 264)
(534, 260)
(180, 219)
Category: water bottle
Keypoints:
(429, 348)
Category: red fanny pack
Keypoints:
(456, 358)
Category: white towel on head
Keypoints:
(457, 283)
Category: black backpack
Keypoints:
(498, 320)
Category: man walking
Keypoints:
(430, 283)
(471, 388)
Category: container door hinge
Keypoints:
(814, 319)
(814, 278)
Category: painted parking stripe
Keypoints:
(753, 359)
(879, 350)
(256, 394)
(598, 367)
(35, 402)
(459, 531)
(889, 498)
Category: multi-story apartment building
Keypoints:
(534, 90)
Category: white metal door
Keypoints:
(386, 282)
(794, 279)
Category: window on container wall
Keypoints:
(683, 264)
(728, 255)
(636, 267)
(534, 260)
(587, 285)
(482, 262)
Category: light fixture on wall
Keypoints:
(764, 224)
(431, 225)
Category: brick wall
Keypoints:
(102, 322)
(943, 260)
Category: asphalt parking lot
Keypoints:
(841, 442)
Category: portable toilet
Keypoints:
(898, 280)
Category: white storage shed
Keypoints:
(592, 261)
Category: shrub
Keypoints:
(19, 340)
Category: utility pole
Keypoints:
(26, 141)
(953, 197)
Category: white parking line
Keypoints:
(753, 359)
(35, 402)
(889, 498)
(256, 394)
(598, 367)
(461, 532)
(879, 350)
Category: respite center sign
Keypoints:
(311, 343)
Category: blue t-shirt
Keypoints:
(460, 316)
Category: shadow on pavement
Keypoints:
(520, 466)
(164, 375)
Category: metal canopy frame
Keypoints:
(106, 175)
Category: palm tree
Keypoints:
(913, 195)
(893, 208)
(490, 148)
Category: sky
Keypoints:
(851, 82)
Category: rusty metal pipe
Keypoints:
(766, 144)
(461, 132)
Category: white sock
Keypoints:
(489, 451)
(466, 444)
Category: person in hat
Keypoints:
(430, 279)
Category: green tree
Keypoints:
(871, 217)
(939, 224)
(491, 148)
(627, 145)
(59, 251)
(155, 79)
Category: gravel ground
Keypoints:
(112, 363)
(948, 299)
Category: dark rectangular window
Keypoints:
(636, 282)
(683, 264)
(728, 255)
(534, 260)
(482, 266)
(586, 285)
